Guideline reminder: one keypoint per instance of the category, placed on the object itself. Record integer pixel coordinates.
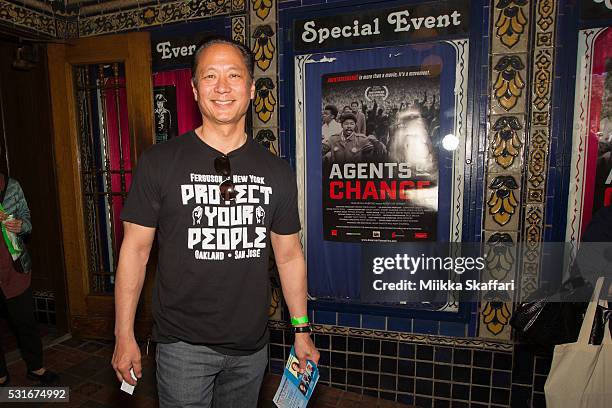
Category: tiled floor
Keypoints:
(84, 366)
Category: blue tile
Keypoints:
(289, 4)
(373, 322)
(499, 396)
(405, 399)
(503, 361)
(443, 355)
(348, 320)
(425, 326)
(462, 356)
(399, 324)
(406, 350)
(502, 379)
(522, 371)
(324, 317)
(520, 396)
(452, 329)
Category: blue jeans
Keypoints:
(196, 376)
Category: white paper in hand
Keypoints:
(128, 387)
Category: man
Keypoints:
(330, 124)
(349, 146)
(211, 291)
(360, 124)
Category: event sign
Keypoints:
(410, 23)
(596, 9)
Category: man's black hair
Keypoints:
(332, 109)
(348, 116)
(247, 55)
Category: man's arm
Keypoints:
(133, 257)
(292, 271)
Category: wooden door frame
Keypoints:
(92, 315)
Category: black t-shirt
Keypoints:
(212, 285)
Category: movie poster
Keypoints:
(591, 167)
(164, 110)
(379, 157)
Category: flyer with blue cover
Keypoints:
(295, 389)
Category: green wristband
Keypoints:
(299, 320)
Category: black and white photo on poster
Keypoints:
(164, 109)
(379, 158)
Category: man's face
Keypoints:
(160, 104)
(348, 127)
(327, 116)
(354, 107)
(223, 89)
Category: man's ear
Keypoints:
(252, 90)
(194, 90)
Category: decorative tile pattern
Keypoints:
(538, 144)
(502, 203)
(238, 5)
(401, 336)
(264, 48)
(28, 19)
(509, 83)
(496, 312)
(265, 100)
(511, 21)
(510, 32)
(163, 13)
(262, 8)
(501, 257)
(507, 143)
(268, 139)
(264, 44)
(239, 29)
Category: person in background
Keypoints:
(330, 125)
(360, 125)
(349, 146)
(15, 278)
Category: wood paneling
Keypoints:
(93, 315)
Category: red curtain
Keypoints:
(187, 110)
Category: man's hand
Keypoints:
(305, 350)
(126, 356)
(13, 225)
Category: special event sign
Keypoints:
(417, 22)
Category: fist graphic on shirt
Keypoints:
(196, 215)
(260, 214)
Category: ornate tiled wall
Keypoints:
(422, 370)
(543, 54)
(111, 17)
(264, 44)
(40, 22)
(517, 140)
(416, 361)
